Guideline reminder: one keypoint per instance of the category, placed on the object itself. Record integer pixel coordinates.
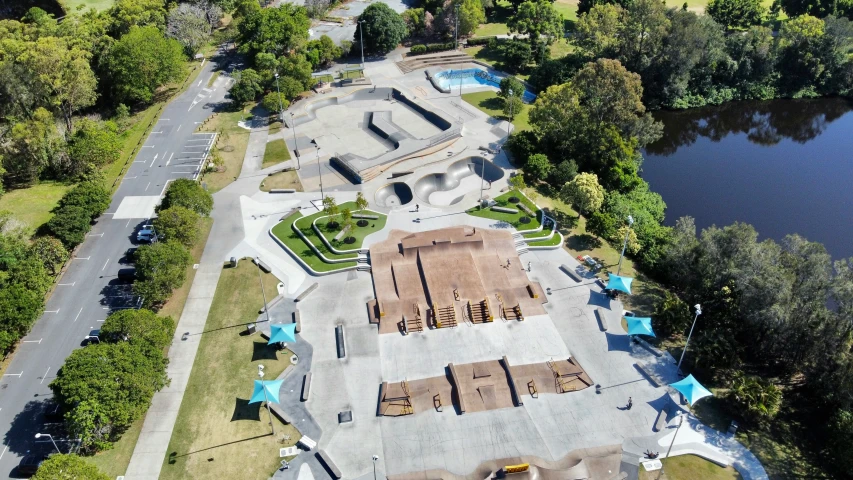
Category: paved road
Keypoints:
(89, 290)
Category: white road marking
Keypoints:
(164, 120)
(78, 314)
(52, 311)
(139, 161)
(129, 178)
(179, 128)
(82, 258)
(161, 131)
(95, 234)
(100, 321)
(202, 62)
(152, 161)
(170, 158)
(13, 375)
(146, 187)
(31, 341)
(199, 83)
(4, 451)
(66, 284)
(105, 264)
(45, 375)
(128, 222)
(148, 146)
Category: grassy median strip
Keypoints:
(510, 218)
(218, 434)
(284, 232)
(276, 152)
(551, 242)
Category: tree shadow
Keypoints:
(262, 351)
(243, 410)
(173, 456)
(20, 437)
(583, 241)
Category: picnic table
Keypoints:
(590, 262)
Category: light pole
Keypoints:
(361, 41)
(482, 178)
(39, 435)
(280, 106)
(456, 31)
(625, 243)
(375, 458)
(266, 310)
(295, 146)
(698, 312)
(510, 112)
(320, 171)
(264, 388)
(681, 420)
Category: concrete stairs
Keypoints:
(478, 312)
(441, 59)
(445, 317)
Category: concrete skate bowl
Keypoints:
(393, 195)
(461, 177)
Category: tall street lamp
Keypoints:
(361, 41)
(456, 30)
(266, 400)
(510, 112)
(295, 146)
(320, 171)
(625, 243)
(681, 421)
(280, 106)
(39, 435)
(263, 292)
(698, 312)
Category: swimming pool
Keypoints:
(472, 77)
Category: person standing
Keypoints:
(417, 207)
(630, 403)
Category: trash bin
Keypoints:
(233, 262)
(733, 427)
(251, 328)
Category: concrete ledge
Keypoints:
(651, 377)
(458, 386)
(365, 216)
(306, 387)
(516, 398)
(504, 209)
(329, 464)
(297, 319)
(271, 303)
(282, 190)
(571, 273)
(602, 319)
(263, 266)
(278, 412)
(339, 337)
(304, 295)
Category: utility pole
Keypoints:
(295, 146)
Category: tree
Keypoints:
(247, 87)
(383, 28)
(841, 438)
(179, 224)
(140, 62)
(537, 18)
(517, 182)
(94, 144)
(274, 30)
(564, 172)
(755, 395)
(512, 107)
(736, 13)
(805, 55)
(298, 68)
(290, 87)
(360, 201)
(142, 328)
(322, 52)
(108, 386)
(672, 316)
(70, 225)
(191, 24)
(511, 84)
(415, 21)
(19, 308)
(50, 252)
(618, 237)
(92, 197)
(330, 206)
(471, 15)
(68, 467)
(160, 268)
(597, 32)
(817, 8)
(275, 103)
(126, 14)
(187, 193)
(32, 146)
(584, 192)
(346, 221)
(538, 167)
(642, 34)
(517, 54)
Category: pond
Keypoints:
(784, 166)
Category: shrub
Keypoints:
(187, 193)
(602, 224)
(757, 396)
(672, 316)
(138, 327)
(179, 224)
(481, 40)
(70, 225)
(92, 197)
(418, 49)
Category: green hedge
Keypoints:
(480, 40)
(431, 47)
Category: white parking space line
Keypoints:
(31, 341)
(105, 264)
(13, 375)
(152, 161)
(148, 146)
(170, 158)
(78, 314)
(146, 187)
(44, 376)
(4, 451)
(66, 284)
(164, 120)
(179, 128)
(82, 258)
(52, 311)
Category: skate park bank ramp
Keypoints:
(393, 195)
(380, 123)
(449, 187)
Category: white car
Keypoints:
(146, 234)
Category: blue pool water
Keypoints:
(473, 77)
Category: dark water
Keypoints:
(784, 166)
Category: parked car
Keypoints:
(94, 336)
(130, 255)
(146, 234)
(127, 274)
(29, 464)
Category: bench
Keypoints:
(342, 233)
(306, 387)
(306, 292)
(297, 319)
(329, 464)
(526, 210)
(516, 398)
(271, 304)
(652, 378)
(339, 337)
(279, 413)
(263, 266)
(282, 190)
(365, 216)
(602, 320)
(504, 209)
(660, 422)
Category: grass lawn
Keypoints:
(496, 22)
(276, 152)
(284, 232)
(691, 467)
(73, 5)
(114, 462)
(510, 218)
(218, 434)
(231, 143)
(550, 242)
(33, 205)
(491, 104)
(561, 48)
(282, 180)
(175, 306)
(357, 232)
(569, 10)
